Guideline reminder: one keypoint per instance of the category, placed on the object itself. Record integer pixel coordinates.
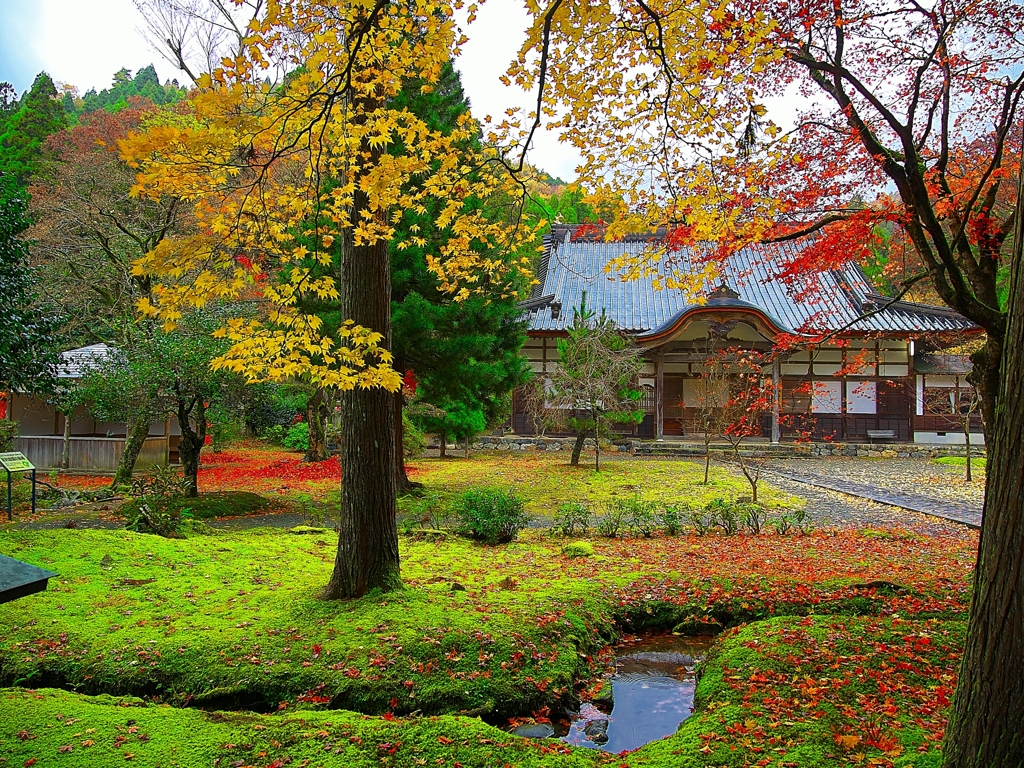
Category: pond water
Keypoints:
(653, 690)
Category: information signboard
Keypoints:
(15, 462)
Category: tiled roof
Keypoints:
(75, 363)
(843, 300)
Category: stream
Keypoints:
(653, 689)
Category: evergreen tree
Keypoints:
(39, 114)
(465, 354)
(595, 378)
(28, 338)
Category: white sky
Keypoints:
(83, 42)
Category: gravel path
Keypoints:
(921, 477)
(831, 509)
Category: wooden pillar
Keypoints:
(776, 400)
(167, 442)
(659, 398)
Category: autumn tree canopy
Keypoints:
(307, 167)
(909, 116)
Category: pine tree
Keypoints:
(28, 338)
(39, 114)
(465, 354)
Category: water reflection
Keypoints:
(653, 691)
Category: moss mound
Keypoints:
(206, 505)
(52, 727)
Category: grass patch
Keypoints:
(551, 482)
(207, 505)
(960, 461)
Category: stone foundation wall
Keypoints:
(784, 450)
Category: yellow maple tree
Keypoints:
(273, 170)
(298, 184)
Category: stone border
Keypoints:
(785, 450)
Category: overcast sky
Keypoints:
(83, 42)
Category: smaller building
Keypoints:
(875, 374)
(45, 435)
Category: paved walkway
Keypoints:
(965, 514)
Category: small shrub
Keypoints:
(152, 519)
(274, 434)
(725, 515)
(610, 524)
(754, 517)
(802, 522)
(670, 518)
(297, 437)
(703, 522)
(423, 510)
(160, 482)
(491, 515)
(783, 524)
(639, 515)
(578, 549)
(413, 439)
(572, 519)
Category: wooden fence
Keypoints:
(98, 454)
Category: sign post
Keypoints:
(17, 462)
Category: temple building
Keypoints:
(869, 367)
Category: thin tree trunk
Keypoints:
(597, 445)
(65, 456)
(467, 446)
(967, 443)
(986, 726)
(402, 482)
(577, 449)
(443, 438)
(316, 418)
(138, 431)
(367, 555)
(191, 445)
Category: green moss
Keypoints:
(578, 549)
(548, 481)
(778, 691)
(56, 728)
(207, 505)
(977, 462)
(783, 690)
(240, 613)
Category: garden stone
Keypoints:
(536, 731)
(456, 587)
(597, 731)
(605, 700)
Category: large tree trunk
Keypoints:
(986, 727)
(192, 440)
(367, 555)
(443, 439)
(138, 431)
(316, 417)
